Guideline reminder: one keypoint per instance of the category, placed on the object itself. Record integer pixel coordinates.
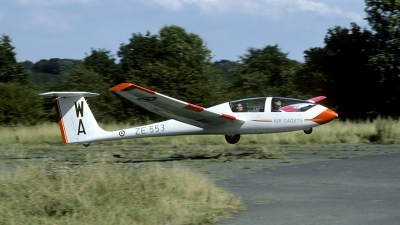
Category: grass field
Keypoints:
(36, 187)
(111, 194)
(382, 131)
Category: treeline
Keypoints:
(357, 69)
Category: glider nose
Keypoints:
(326, 116)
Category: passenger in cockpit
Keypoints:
(276, 105)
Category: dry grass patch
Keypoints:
(111, 194)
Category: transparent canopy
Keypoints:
(275, 104)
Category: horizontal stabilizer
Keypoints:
(70, 94)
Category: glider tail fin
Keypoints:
(76, 120)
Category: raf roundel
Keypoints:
(122, 133)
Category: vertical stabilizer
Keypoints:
(76, 120)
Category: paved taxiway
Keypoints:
(360, 190)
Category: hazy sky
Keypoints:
(44, 29)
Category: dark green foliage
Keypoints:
(384, 18)
(107, 107)
(19, 105)
(359, 69)
(105, 73)
(174, 63)
(103, 63)
(45, 72)
(343, 70)
(226, 67)
(27, 65)
(265, 72)
(10, 70)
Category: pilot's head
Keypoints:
(239, 107)
(277, 104)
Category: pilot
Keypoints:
(238, 107)
(276, 106)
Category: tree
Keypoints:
(19, 105)
(347, 78)
(384, 18)
(103, 63)
(173, 62)
(54, 66)
(48, 72)
(106, 107)
(226, 66)
(10, 70)
(265, 72)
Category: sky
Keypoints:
(45, 29)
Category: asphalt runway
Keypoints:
(359, 190)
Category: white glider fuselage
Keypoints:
(254, 123)
(77, 123)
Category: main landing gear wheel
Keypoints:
(232, 139)
(308, 131)
(86, 144)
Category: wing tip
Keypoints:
(120, 87)
(123, 86)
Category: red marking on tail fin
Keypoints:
(61, 123)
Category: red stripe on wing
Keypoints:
(144, 89)
(226, 116)
(193, 107)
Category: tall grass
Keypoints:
(111, 194)
(380, 131)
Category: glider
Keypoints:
(232, 119)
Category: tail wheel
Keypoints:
(308, 131)
(232, 139)
(86, 144)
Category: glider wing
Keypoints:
(174, 108)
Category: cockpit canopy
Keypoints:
(248, 105)
(270, 104)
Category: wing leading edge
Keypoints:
(173, 108)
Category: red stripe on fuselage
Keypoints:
(264, 121)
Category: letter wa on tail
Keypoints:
(77, 123)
